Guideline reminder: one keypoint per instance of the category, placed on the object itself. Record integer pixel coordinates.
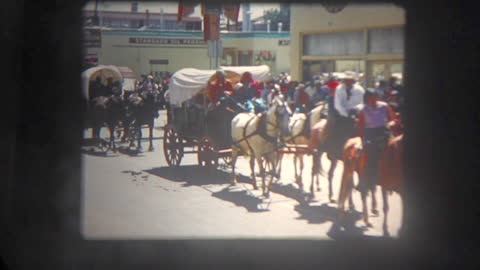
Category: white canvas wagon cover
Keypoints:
(188, 82)
(124, 75)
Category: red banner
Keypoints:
(231, 11)
(211, 29)
(185, 10)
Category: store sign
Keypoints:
(158, 61)
(92, 38)
(283, 42)
(167, 41)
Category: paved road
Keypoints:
(129, 196)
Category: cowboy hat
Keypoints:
(349, 75)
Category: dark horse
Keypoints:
(106, 111)
(141, 109)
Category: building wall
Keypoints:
(315, 18)
(117, 49)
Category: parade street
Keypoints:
(137, 196)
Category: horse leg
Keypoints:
(314, 175)
(252, 169)
(300, 179)
(295, 157)
(385, 212)
(350, 200)
(97, 136)
(262, 173)
(150, 127)
(279, 165)
(318, 168)
(234, 161)
(112, 138)
(374, 200)
(365, 208)
(139, 139)
(344, 187)
(271, 159)
(333, 166)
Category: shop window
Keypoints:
(334, 44)
(385, 40)
(329, 67)
(245, 58)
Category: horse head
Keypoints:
(279, 115)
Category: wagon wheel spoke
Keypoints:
(172, 146)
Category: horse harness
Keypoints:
(261, 131)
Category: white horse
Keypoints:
(300, 125)
(258, 137)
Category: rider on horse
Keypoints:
(374, 122)
(348, 96)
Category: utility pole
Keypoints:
(161, 19)
(212, 33)
(95, 14)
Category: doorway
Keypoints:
(383, 70)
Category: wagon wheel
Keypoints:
(172, 146)
(207, 153)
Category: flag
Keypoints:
(231, 11)
(211, 24)
(185, 10)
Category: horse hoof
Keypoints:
(150, 149)
(319, 189)
(333, 201)
(375, 212)
(369, 225)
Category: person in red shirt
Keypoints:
(301, 98)
(251, 86)
(219, 87)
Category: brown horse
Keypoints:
(321, 142)
(141, 109)
(390, 173)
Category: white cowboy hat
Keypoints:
(350, 75)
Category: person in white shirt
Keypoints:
(310, 89)
(348, 97)
(149, 84)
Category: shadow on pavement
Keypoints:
(241, 198)
(97, 152)
(192, 175)
(317, 214)
(131, 152)
(290, 191)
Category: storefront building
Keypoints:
(168, 51)
(368, 39)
